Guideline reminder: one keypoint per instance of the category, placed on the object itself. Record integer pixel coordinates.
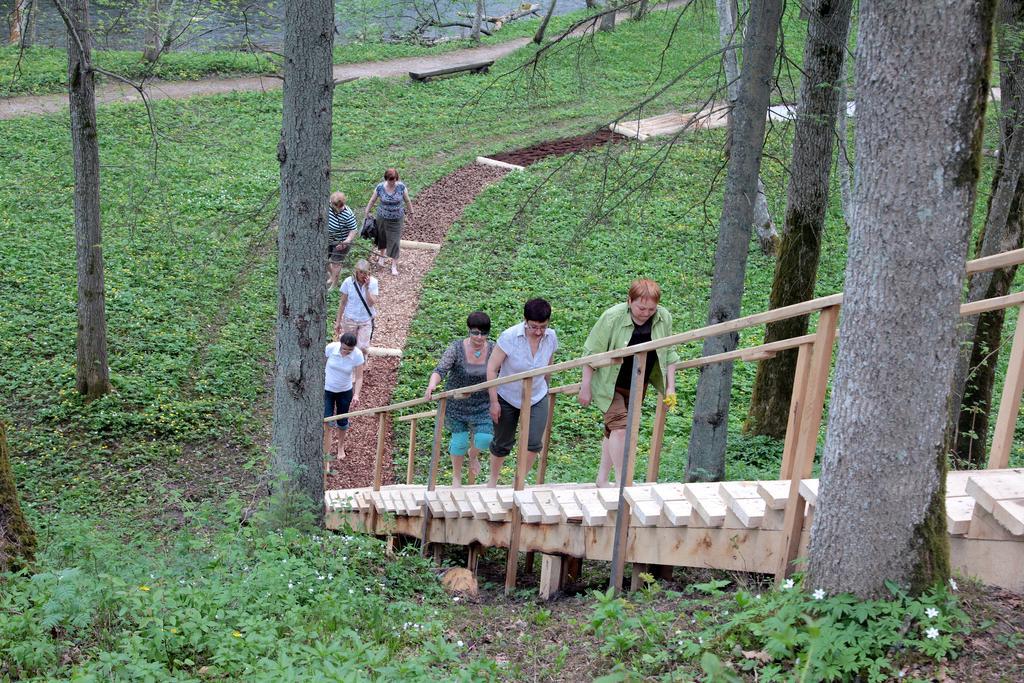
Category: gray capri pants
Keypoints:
(392, 234)
(507, 429)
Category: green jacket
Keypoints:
(612, 331)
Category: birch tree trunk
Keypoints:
(796, 269)
(305, 155)
(706, 455)
(92, 374)
(974, 379)
(880, 513)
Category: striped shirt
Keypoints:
(339, 224)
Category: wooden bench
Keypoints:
(475, 67)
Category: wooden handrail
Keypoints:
(774, 315)
(996, 261)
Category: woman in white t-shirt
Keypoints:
(343, 379)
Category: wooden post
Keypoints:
(409, 469)
(378, 467)
(470, 475)
(435, 456)
(1009, 404)
(807, 437)
(473, 557)
(796, 406)
(516, 517)
(542, 465)
(550, 575)
(657, 438)
(636, 386)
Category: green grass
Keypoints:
(190, 272)
(43, 70)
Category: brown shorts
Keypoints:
(615, 416)
(361, 330)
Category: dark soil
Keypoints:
(438, 207)
(542, 150)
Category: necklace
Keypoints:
(476, 354)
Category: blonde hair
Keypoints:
(337, 197)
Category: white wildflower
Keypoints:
(456, 598)
(819, 594)
(932, 612)
(310, 590)
(932, 633)
(290, 585)
(351, 591)
(789, 584)
(458, 643)
(952, 584)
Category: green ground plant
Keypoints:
(782, 635)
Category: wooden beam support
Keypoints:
(516, 519)
(435, 457)
(796, 405)
(550, 576)
(657, 438)
(1009, 404)
(410, 466)
(378, 466)
(807, 437)
(622, 517)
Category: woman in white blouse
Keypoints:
(343, 378)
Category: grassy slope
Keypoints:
(190, 292)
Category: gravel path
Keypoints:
(436, 209)
(107, 92)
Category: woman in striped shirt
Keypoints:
(341, 230)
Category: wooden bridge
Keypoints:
(734, 525)
(759, 526)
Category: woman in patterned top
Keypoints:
(463, 364)
(394, 204)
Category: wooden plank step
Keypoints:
(496, 512)
(1010, 513)
(461, 501)
(505, 497)
(707, 503)
(568, 508)
(749, 511)
(959, 511)
(988, 486)
(647, 512)
(665, 492)
(594, 511)
(736, 490)
(775, 493)
(809, 490)
(609, 497)
(549, 511)
(677, 512)
(412, 506)
(477, 504)
(530, 513)
(956, 483)
(378, 501)
(637, 494)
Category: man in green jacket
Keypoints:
(640, 319)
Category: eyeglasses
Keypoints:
(534, 327)
(477, 333)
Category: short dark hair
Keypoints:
(537, 310)
(480, 321)
(348, 339)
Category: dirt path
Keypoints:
(437, 208)
(108, 92)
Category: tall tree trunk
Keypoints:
(639, 10)
(706, 459)
(728, 31)
(92, 374)
(538, 37)
(880, 513)
(608, 19)
(17, 539)
(305, 156)
(154, 32)
(1004, 229)
(16, 22)
(796, 269)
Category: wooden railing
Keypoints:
(814, 358)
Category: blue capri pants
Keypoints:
(483, 432)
